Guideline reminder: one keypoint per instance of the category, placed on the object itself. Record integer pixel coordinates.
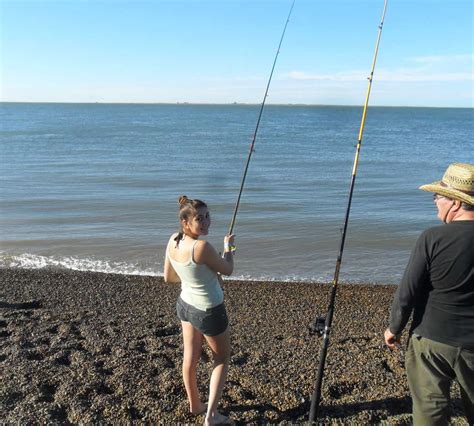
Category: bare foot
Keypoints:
(218, 419)
(200, 409)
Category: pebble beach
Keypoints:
(83, 347)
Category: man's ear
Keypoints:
(456, 205)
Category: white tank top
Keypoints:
(199, 284)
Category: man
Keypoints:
(438, 287)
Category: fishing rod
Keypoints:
(251, 150)
(322, 325)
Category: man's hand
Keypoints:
(391, 340)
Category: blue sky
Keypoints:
(221, 51)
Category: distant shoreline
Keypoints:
(232, 104)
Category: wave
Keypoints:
(34, 261)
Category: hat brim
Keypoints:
(437, 188)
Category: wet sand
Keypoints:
(80, 347)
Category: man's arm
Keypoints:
(414, 279)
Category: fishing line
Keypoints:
(322, 325)
(251, 150)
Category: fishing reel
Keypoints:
(318, 326)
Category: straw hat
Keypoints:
(457, 183)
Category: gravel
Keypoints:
(83, 347)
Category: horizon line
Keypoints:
(230, 104)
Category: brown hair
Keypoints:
(187, 209)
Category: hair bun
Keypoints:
(182, 200)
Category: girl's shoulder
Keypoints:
(202, 250)
(204, 244)
(201, 245)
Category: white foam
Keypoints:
(33, 261)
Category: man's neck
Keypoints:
(464, 215)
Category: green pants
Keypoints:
(431, 367)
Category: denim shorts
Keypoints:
(211, 322)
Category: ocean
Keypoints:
(95, 186)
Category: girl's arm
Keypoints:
(205, 253)
(219, 278)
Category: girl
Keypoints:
(197, 265)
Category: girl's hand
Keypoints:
(229, 245)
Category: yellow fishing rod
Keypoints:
(251, 150)
(322, 325)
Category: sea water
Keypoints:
(95, 186)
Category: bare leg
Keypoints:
(192, 340)
(220, 347)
